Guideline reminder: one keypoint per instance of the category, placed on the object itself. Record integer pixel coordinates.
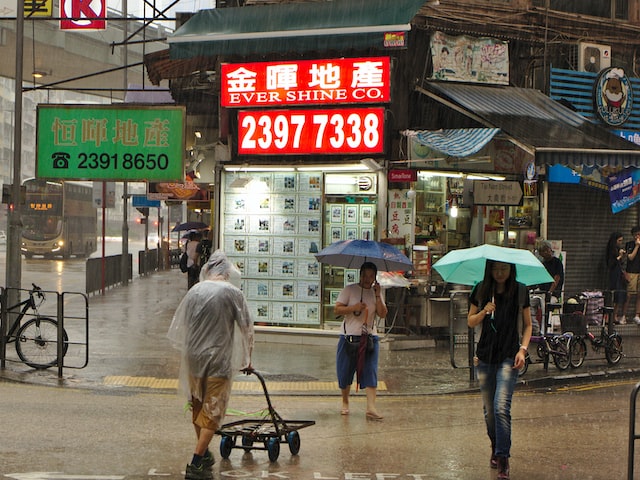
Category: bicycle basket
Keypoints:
(573, 322)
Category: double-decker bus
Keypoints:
(58, 219)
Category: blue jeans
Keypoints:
(497, 383)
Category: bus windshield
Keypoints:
(42, 213)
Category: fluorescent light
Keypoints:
(358, 167)
(259, 169)
(198, 134)
(440, 174)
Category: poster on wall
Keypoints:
(469, 59)
(400, 214)
(272, 226)
(624, 189)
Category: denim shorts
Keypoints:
(346, 365)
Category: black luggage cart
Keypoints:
(262, 434)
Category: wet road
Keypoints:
(569, 433)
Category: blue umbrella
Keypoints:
(353, 253)
(466, 266)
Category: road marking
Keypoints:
(172, 384)
(60, 476)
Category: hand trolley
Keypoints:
(268, 433)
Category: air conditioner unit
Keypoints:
(593, 57)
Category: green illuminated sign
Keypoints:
(110, 142)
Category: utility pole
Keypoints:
(13, 273)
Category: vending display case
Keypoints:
(430, 223)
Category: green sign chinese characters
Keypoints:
(110, 142)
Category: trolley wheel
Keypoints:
(247, 442)
(613, 349)
(226, 445)
(525, 367)
(578, 352)
(273, 448)
(293, 439)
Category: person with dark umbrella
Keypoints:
(359, 303)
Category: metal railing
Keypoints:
(71, 313)
(632, 431)
(112, 272)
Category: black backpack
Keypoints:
(183, 261)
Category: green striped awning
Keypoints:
(292, 27)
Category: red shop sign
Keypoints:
(305, 82)
(402, 175)
(319, 131)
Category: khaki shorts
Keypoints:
(209, 412)
(632, 286)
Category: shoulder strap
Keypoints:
(522, 293)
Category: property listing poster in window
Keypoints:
(272, 228)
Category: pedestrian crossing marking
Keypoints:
(172, 384)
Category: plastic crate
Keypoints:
(575, 323)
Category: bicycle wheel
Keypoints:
(562, 353)
(613, 349)
(37, 342)
(578, 352)
(525, 367)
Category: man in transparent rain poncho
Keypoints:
(213, 330)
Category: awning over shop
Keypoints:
(292, 27)
(461, 142)
(545, 128)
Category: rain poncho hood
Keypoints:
(212, 326)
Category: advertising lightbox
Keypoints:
(305, 82)
(111, 142)
(315, 131)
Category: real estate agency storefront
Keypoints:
(303, 177)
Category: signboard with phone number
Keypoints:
(110, 142)
(316, 131)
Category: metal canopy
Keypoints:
(545, 128)
(294, 27)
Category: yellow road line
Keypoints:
(172, 384)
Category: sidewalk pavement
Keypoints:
(128, 349)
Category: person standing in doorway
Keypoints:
(500, 305)
(213, 330)
(555, 268)
(616, 257)
(633, 272)
(359, 303)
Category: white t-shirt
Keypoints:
(192, 253)
(351, 295)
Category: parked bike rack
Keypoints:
(71, 311)
(632, 431)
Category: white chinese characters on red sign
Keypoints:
(83, 14)
(313, 131)
(306, 82)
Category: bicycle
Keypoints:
(36, 339)
(610, 342)
(557, 346)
